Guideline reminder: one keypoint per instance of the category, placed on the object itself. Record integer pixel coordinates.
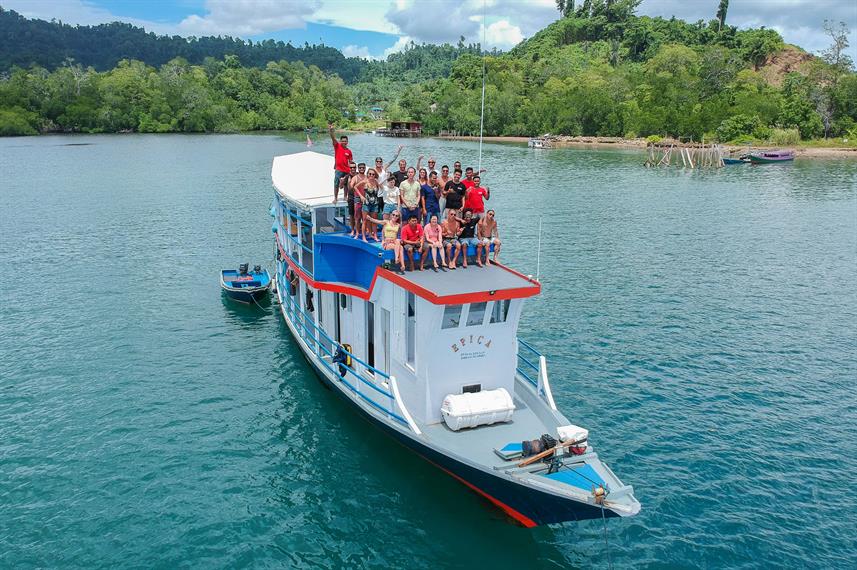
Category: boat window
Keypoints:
(500, 311)
(451, 316)
(476, 315)
(410, 328)
(324, 220)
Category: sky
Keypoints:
(376, 28)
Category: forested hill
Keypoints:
(598, 70)
(25, 42)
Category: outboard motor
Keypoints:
(242, 269)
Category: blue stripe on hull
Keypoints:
(542, 508)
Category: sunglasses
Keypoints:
(378, 161)
(372, 175)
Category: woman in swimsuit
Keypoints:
(369, 199)
(390, 231)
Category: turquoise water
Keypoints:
(700, 324)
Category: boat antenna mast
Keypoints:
(482, 112)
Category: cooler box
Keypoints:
(572, 433)
(477, 408)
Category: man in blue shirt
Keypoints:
(430, 199)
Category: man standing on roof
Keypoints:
(402, 173)
(341, 158)
(475, 196)
(409, 196)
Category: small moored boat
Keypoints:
(735, 161)
(771, 156)
(243, 285)
(540, 142)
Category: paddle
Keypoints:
(547, 452)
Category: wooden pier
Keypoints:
(685, 155)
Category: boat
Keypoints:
(771, 156)
(728, 160)
(244, 285)
(539, 142)
(433, 359)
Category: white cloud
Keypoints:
(366, 15)
(248, 17)
(503, 35)
(400, 44)
(356, 51)
(434, 22)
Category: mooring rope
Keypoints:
(606, 542)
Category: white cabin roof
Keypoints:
(304, 177)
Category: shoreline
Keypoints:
(641, 144)
(558, 142)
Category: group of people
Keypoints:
(417, 209)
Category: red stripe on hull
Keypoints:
(459, 299)
(521, 518)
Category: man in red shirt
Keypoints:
(341, 158)
(474, 198)
(412, 238)
(468, 177)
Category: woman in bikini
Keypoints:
(390, 231)
(369, 198)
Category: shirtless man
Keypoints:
(442, 180)
(451, 229)
(488, 234)
(355, 211)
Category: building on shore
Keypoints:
(409, 129)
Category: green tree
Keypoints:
(722, 8)
(565, 7)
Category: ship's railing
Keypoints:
(293, 218)
(284, 252)
(527, 369)
(354, 380)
